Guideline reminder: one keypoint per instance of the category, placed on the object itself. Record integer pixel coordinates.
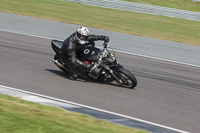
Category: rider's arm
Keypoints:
(98, 37)
(72, 56)
(90, 43)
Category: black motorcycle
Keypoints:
(106, 68)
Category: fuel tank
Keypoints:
(89, 54)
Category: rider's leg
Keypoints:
(72, 72)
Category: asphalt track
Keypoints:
(139, 45)
(167, 93)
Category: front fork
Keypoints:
(112, 73)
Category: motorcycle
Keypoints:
(106, 68)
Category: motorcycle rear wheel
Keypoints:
(126, 78)
(56, 57)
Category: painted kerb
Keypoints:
(142, 8)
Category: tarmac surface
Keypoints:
(167, 92)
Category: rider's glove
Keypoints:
(106, 39)
(91, 68)
(105, 45)
(88, 67)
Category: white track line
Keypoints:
(146, 56)
(85, 106)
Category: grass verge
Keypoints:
(167, 28)
(19, 116)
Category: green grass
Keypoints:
(19, 116)
(178, 4)
(167, 28)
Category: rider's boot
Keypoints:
(72, 73)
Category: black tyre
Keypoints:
(56, 57)
(126, 78)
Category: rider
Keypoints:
(74, 43)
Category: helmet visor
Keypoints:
(82, 37)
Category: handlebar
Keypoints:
(103, 53)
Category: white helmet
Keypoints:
(82, 34)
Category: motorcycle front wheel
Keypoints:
(125, 78)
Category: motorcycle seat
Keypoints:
(56, 43)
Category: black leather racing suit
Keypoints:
(71, 47)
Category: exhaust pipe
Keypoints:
(58, 64)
